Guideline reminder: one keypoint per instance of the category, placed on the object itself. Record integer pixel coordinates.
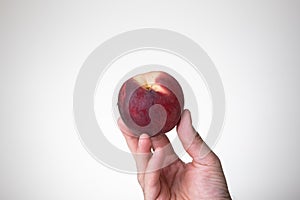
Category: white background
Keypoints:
(255, 46)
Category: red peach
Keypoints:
(151, 103)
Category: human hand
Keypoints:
(203, 178)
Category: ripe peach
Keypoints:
(151, 103)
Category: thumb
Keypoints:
(193, 143)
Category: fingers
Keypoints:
(192, 142)
(160, 141)
(139, 147)
(142, 156)
(151, 178)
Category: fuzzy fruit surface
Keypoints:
(154, 90)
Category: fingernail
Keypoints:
(142, 137)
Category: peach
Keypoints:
(151, 103)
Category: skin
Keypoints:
(203, 178)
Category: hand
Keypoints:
(203, 178)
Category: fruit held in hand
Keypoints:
(151, 103)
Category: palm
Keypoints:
(191, 181)
(203, 178)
